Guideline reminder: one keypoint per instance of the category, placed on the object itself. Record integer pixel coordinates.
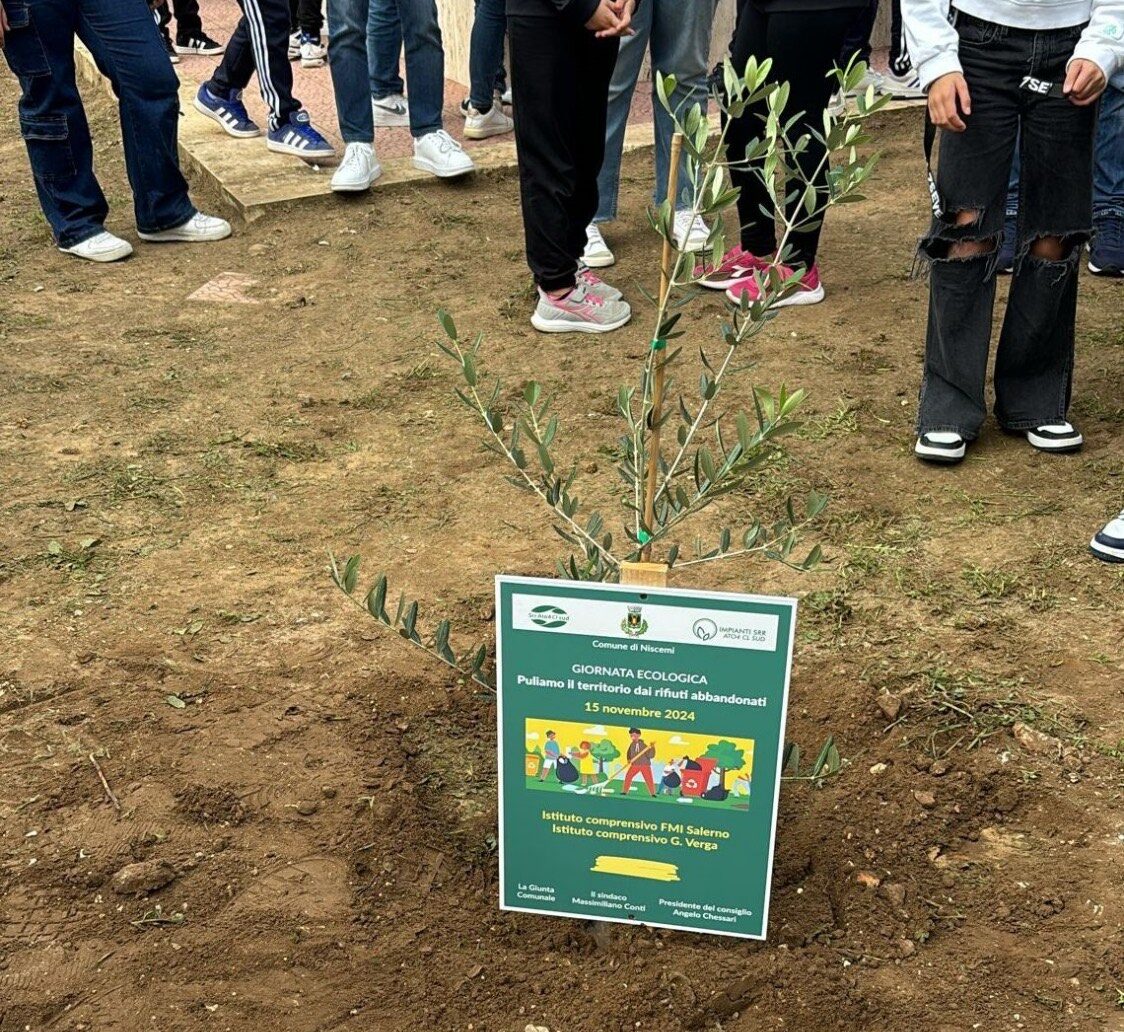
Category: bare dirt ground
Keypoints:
(322, 805)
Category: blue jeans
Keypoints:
(390, 22)
(678, 34)
(1108, 159)
(485, 53)
(125, 42)
(347, 58)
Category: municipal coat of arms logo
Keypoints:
(634, 623)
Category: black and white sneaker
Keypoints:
(1056, 437)
(941, 446)
(1109, 543)
(202, 45)
(171, 50)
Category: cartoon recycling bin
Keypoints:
(696, 776)
(532, 763)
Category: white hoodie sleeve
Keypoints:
(1102, 42)
(932, 39)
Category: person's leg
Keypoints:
(425, 65)
(236, 68)
(681, 31)
(758, 232)
(803, 47)
(1107, 253)
(310, 18)
(628, 776)
(622, 85)
(260, 43)
(1034, 363)
(646, 774)
(125, 43)
(597, 59)
(1108, 160)
(544, 82)
(39, 48)
(485, 55)
(347, 56)
(899, 52)
(856, 43)
(962, 243)
(384, 48)
(189, 25)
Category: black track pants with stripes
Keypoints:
(261, 43)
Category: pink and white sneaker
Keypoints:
(736, 265)
(596, 285)
(580, 311)
(808, 292)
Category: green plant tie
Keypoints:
(643, 537)
(659, 344)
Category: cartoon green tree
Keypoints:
(726, 757)
(603, 752)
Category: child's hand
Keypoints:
(611, 18)
(1084, 82)
(948, 98)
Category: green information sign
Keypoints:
(641, 736)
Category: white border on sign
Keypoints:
(639, 589)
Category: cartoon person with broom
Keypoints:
(639, 758)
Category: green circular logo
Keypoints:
(549, 616)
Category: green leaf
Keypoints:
(175, 701)
(350, 574)
(410, 622)
(376, 600)
(447, 324)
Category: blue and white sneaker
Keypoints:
(1109, 543)
(229, 112)
(299, 138)
(1106, 252)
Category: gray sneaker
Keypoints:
(580, 311)
(596, 285)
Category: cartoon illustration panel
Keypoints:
(685, 768)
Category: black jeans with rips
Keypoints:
(560, 76)
(1014, 78)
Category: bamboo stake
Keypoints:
(656, 414)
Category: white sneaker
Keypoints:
(872, 78)
(197, 229)
(903, 87)
(943, 447)
(358, 169)
(1109, 543)
(691, 233)
(493, 122)
(439, 153)
(313, 54)
(294, 46)
(505, 97)
(101, 247)
(1056, 437)
(391, 112)
(596, 254)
